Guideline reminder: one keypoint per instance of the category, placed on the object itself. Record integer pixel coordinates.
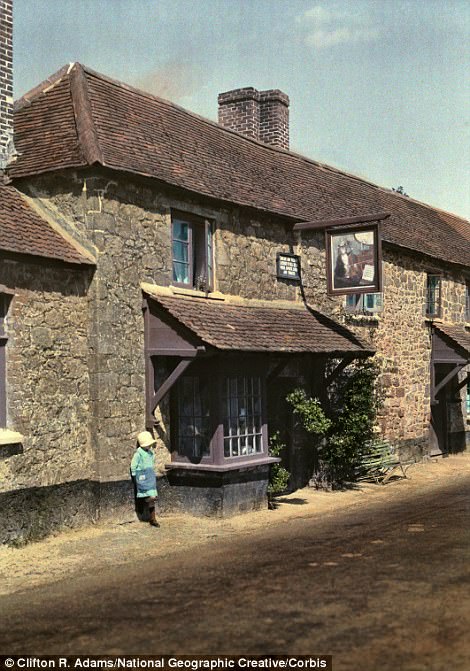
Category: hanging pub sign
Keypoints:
(288, 266)
(353, 260)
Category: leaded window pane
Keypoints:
(209, 253)
(242, 416)
(433, 295)
(193, 417)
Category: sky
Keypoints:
(378, 88)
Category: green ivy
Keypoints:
(309, 410)
(278, 475)
(349, 424)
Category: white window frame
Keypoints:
(366, 304)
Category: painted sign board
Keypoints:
(353, 260)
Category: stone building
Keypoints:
(160, 304)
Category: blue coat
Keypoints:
(143, 469)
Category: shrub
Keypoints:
(349, 425)
(312, 415)
(278, 475)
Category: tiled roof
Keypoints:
(79, 117)
(23, 231)
(252, 328)
(458, 334)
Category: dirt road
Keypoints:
(379, 578)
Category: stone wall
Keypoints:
(129, 222)
(401, 333)
(245, 254)
(48, 398)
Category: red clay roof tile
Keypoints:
(458, 334)
(23, 231)
(262, 329)
(83, 117)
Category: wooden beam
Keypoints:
(336, 371)
(274, 372)
(462, 384)
(169, 382)
(457, 368)
(346, 221)
(168, 351)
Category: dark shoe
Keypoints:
(153, 518)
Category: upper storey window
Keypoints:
(433, 295)
(192, 252)
(364, 303)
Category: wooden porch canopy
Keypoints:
(188, 327)
(450, 345)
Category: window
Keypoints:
(193, 417)
(218, 417)
(433, 296)
(242, 416)
(364, 303)
(192, 252)
(467, 302)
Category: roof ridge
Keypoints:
(83, 113)
(28, 97)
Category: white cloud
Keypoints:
(318, 14)
(326, 28)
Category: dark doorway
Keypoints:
(447, 430)
(439, 423)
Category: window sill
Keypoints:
(195, 293)
(8, 437)
(219, 468)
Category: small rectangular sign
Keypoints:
(288, 266)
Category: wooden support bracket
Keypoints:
(169, 382)
(274, 372)
(455, 370)
(336, 371)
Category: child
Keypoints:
(143, 473)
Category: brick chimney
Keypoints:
(239, 110)
(274, 118)
(262, 115)
(7, 150)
